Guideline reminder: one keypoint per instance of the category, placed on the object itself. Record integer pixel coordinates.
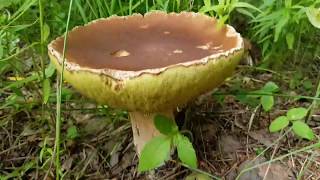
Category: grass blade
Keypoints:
(59, 92)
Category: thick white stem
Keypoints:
(143, 127)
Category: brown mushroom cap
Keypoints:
(156, 40)
(134, 61)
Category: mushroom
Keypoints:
(148, 64)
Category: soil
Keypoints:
(228, 138)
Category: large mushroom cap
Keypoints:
(148, 63)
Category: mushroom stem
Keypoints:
(143, 127)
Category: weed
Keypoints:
(170, 138)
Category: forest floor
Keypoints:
(229, 138)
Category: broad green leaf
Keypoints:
(46, 32)
(278, 124)
(290, 40)
(314, 16)
(302, 130)
(72, 132)
(267, 102)
(154, 153)
(270, 87)
(165, 125)
(50, 70)
(186, 152)
(307, 84)
(297, 113)
(46, 89)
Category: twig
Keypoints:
(13, 147)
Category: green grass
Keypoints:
(59, 92)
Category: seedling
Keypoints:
(294, 117)
(263, 95)
(266, 97)
(158, 149)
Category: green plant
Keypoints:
(294, 116)
(223, 9)
(59, 94)
(46, 153)
(72, 132)
(158, 149)
(298, 82)
(283, 26)
(263, 96)
(90, 10)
